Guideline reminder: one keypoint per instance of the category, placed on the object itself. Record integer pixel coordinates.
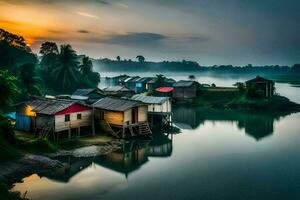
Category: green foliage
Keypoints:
(254, 93)
(160, 81)
(241, 87)
(5, 194)
(62, 70)
(30, 81)
(7, 140)
(9, 89)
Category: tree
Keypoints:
(86, 67)
(296, 68)
(9, 89)
(49, 48)
(66, 68)
(160, 80)
(14, 40)
(140, 58)
(49, 51)
(118, 58)
(30, 81)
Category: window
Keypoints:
(79, 116)
(67, 118)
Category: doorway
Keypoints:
(134, 115)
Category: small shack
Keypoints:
(47, 117)
(159, 108)
(119, 91)
(88, 95)
(131, 82)
(185, 90)
(122, 117)
(151, 84)
(260, 84)
(141, 84)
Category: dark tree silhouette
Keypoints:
(30, 81)
(140, 58)
(118, 58)
(49, 48)
(86, 66)
(66, 68)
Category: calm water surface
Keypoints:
(215, 155)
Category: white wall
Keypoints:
(165, 107)
(61, 125)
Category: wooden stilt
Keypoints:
(79, 131)
(69, 133)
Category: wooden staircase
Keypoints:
(107, 128)
(144, 128)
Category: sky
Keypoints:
(211, 32)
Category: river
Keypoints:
(215, 154)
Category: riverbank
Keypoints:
(230, 98)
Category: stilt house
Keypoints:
(51, 117)
(122, 117)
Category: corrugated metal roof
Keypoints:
(150, 99)
(115, 104)
(85, 92)
(183, 83)
(117, 88)
(259, 79)
(49, 107)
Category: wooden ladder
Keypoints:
(144, 128)
(107, 128)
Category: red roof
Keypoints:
(164, 89)
(73, 109)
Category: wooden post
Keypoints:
(93, 121)
(69, 133)
(79, 131)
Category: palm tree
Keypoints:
(30, 80)
(140, 58)
(66, 69)
(86, 67)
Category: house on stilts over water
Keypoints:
(159, 109)
(122, 117)
(53, 118)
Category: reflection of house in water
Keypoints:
(256, 125)
(161, 146)
(186, 118)
(129, 158)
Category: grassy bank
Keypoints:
(227, 98)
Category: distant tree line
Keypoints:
(142, 65)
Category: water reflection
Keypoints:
(256, 125)
(128, 158)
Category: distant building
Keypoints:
(119, 91)
(141, 84)
(88, 95)
(185, 90)
(151, 84)
(261, 84)
(131, 82)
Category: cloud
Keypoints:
(88, 15)
(132, 39)
(83, 31)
